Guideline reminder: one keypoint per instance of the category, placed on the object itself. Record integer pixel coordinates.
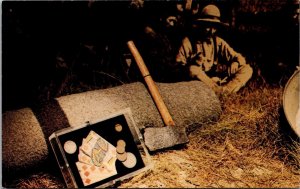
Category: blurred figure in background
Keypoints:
(159, 41)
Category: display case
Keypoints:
(100, 153)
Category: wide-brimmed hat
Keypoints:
(210, 14)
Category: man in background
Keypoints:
(209, 58)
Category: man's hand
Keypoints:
(193, 59)
(233, 68)
(197, 72)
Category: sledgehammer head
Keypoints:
(157, 138)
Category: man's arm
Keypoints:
(197, 72)
(185, 51)
(183, 58)
(188, 61)
(235, 60)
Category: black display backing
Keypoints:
(106, 129)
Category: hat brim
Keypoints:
(213, 21)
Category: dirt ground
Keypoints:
(249, 147)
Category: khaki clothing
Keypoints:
(215, 58)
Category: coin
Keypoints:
(130, 161)
(120, 149)
(122, 157)
(118, 127)
(70, 147)
(121, 143)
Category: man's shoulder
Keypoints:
(221, 41)
(186, 39)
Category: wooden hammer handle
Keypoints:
(163, 110)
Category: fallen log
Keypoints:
(25, 131)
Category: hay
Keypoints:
(245, 148)
(39, 180)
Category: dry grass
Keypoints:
(245, 148)
(40, 180)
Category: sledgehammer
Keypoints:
(159, 137)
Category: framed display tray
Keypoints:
(100, 153)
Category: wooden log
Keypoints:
(25, 131)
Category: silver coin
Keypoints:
(130, 161)
(70, 147)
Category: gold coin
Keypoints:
(122, 157)
(121, 143)
(118, 127)
(120, 149)
(70, 147)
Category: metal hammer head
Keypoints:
(157, 138)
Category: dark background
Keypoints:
(55, 48)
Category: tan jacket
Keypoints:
(205, 54)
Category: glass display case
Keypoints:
(100, 153)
